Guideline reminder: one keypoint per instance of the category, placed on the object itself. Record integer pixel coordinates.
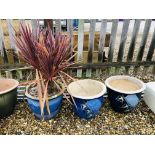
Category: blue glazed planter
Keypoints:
(87, 97)
(54, 105)
(122, 101)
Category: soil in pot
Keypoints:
(124, 85)
(52, 90)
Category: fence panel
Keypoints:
(93, 39)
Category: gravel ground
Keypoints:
(141, 121)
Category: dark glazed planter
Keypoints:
(8, 97)
(87, 105)
(122, 101)
(54, 105)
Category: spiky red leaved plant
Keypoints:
(47, 53)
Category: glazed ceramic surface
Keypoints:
(122, 101)
(8, 99)
(55, 103)
(149, 95)
(87, 104)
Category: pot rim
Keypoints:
(88, 97)
(10, 89)
(143, 85)
(51, 97)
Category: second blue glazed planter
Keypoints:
(122, 101)
(87, 97)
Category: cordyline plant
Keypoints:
(48, 54)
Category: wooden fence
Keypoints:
(96, 49)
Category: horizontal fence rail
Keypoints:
(109, 46)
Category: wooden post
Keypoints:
(8, 74)
(2, 47)
(101, 43)
(122, 42)
(70, 29)
(34, 24)
(102, 39)
(58, 25)
(133, 42)
(112, 39)
(70, 33)
(91, 44)
(112, 42)
(143, 42)
(151, 48)
(80, 44)
(20, 74)
(150, 52)
(12, 40)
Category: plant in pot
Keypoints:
(49, 55)
(8, 96)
